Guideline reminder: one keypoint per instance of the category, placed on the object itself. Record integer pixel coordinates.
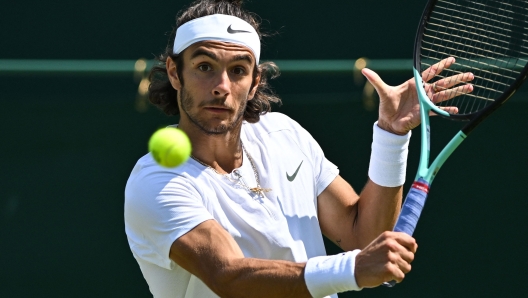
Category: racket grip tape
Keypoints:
(412, 207)
(410, 213)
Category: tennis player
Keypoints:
(244, 217)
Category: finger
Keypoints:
(399, 262)
(450, 110)
(451, 81)
(437, 68)
(404, 266)
(407, 241)
(401, 255)
(452, 93)
(374, 79)
(405, 258)
(396, 273)
(402, 259)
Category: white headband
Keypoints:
(217, 27)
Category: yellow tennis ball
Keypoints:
(170, 147)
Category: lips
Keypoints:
(217, 109)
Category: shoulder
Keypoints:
(278, 131)
(147, 168)
(149, 180)
(273, 122)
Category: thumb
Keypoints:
(374, 79)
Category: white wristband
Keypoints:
(388, 160)
(328, 275)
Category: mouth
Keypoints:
(216, 109)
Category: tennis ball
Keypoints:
(170, 147)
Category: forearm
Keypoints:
(380, 201)
(377, 211)
(212, 255)
(245, 277)
(319, 277)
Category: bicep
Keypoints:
(337, 208)
(160, 208)
(205, 250)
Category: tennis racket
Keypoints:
(489, 41)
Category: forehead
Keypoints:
(219, 48)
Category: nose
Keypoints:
(222, 85)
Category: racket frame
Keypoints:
(417, 195)
(425, 171)
(474, 118)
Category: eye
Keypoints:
(204, 67)
(239, 70)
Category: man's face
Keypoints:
(217, 80)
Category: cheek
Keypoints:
(195, 83)
(240, 94)
(243, 88)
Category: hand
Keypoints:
(399, 109)
(386, 258)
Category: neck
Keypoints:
(222, 152)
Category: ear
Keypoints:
(254, 89)
(173, 74)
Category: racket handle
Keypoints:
(410, 213)
(412, 207)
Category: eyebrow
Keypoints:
(200, 52)
(247, 58)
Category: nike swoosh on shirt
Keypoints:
(292, 177)
(233, 31)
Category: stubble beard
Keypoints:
(187, 103)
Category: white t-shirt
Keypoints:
(163, 204)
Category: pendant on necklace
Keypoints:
(259, 190)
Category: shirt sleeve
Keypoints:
(328, 172)
(160, 207)
(324, 170)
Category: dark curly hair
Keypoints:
(164, 96)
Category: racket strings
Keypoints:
(496, 30)
(487, 38)
(457, 92)
(489, 11)
(512, 5)
(450, 72)
(484, 65)
(482, 36)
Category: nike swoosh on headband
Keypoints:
(232, 31)
(217, 27)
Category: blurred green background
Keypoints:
(69, 142)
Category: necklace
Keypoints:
(257, 190)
